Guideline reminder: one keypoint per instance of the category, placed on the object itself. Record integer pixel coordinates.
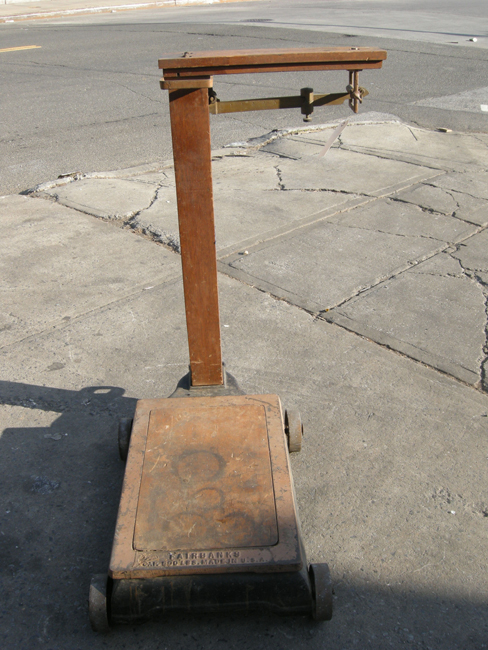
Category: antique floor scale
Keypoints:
(207, 519)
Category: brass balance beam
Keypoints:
(185, 68)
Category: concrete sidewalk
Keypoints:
(13, 10)
(354, 285)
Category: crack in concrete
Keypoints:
(472, 196)
(478, 139)
(334, 191)
(151, 202)
(387, 278)
(404, 355)
(326, 189)
(169, 240)
(484, 360)
(283, 188)
(382, 156)
(424, 208)
(393, 234)
(415, 137)
(473, 277)
(281, 185)
(459, 276)
(428, 210)
(461, 242)
(458, 206)
(281, 155)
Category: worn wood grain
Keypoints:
(190, 128)
(275, 60)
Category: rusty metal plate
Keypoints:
(207, 489)
(206, 480)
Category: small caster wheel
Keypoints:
(97, 604)
(125, 429)
(293, 429)
(322, 591)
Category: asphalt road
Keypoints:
(88, 98)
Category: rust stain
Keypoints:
(206, 496)
(207, 489)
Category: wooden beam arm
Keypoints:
(189, 64)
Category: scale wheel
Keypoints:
(97, 603)
(322, 591)
(293, 429)
(125, 429)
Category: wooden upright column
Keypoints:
(190, 128)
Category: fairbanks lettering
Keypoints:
(196, 558)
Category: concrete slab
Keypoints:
(429, 198)
(472, 254)
(15, 10)
(245, 173)
(474, 184)
(433, 313)
(395, 217)
(57, 264)
(429, 148)
(468, 211)
(434, 196)
(143, 335)
(299, 146)
(160, 219)
(346, 171)
(109, 198)
(242, 218)
(397, 135)
(322, 266)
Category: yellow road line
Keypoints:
(25, 47)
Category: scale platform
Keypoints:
(207, 489)
(207, 519)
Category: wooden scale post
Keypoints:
(207, 519)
